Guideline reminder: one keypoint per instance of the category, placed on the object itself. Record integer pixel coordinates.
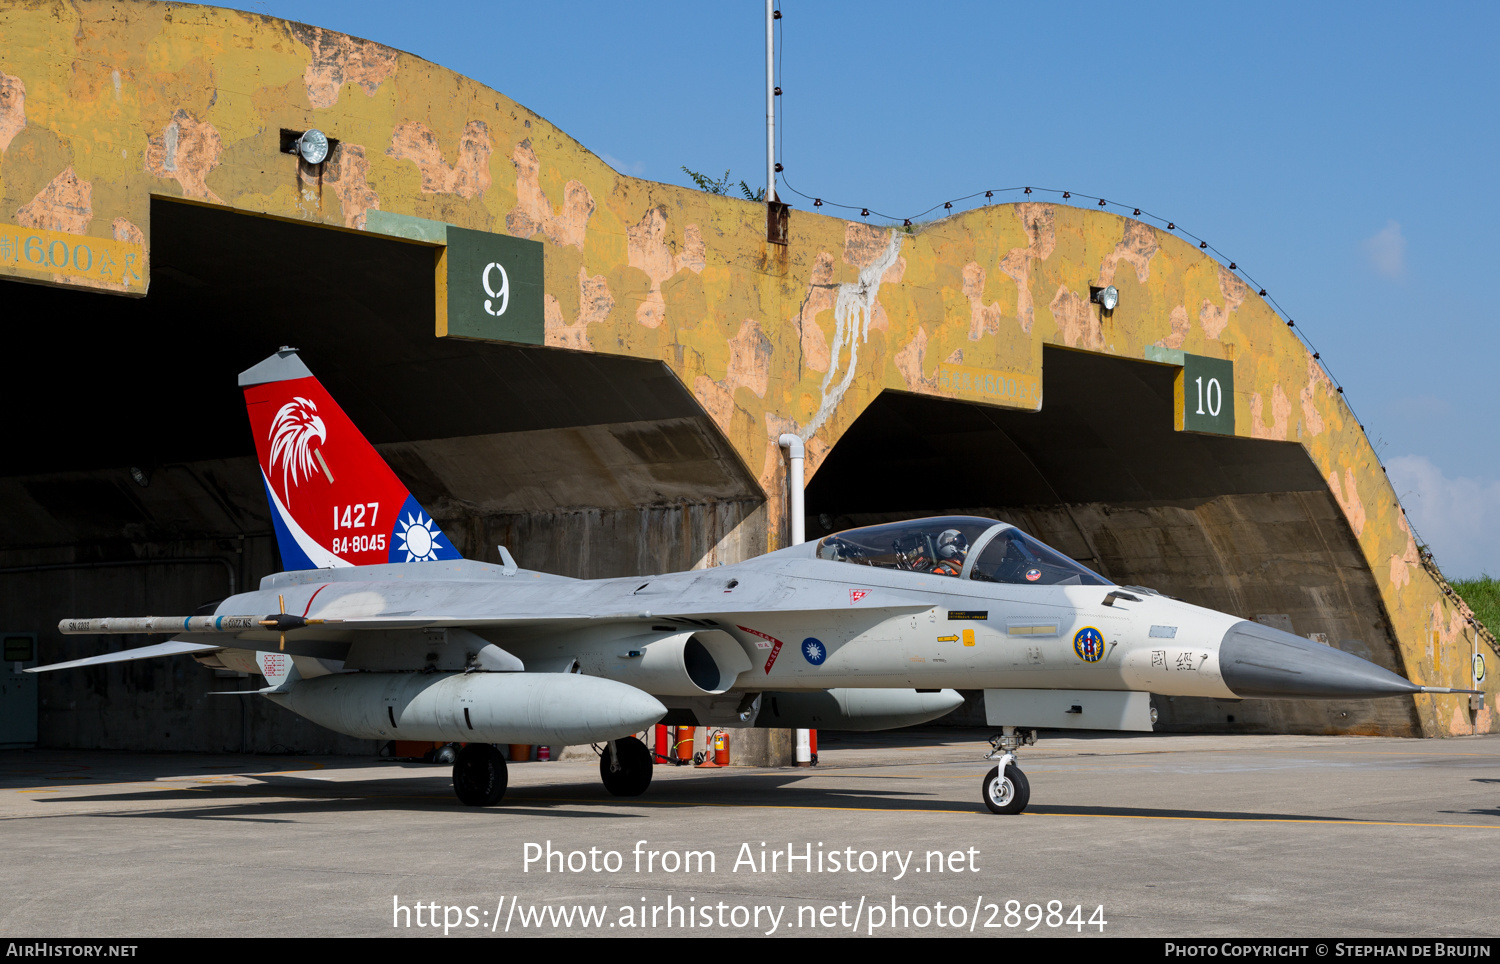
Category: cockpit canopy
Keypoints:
(983, 550)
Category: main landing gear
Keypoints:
(625, 767)
(1006, 789)
(479, 775)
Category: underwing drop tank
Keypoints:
(554, 709)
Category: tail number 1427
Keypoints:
(354, 516)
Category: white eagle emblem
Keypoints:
(292, 432)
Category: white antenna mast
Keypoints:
(770, 104)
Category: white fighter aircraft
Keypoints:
(378, 629)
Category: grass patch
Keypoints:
(1483, 596)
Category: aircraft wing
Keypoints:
(171, 648)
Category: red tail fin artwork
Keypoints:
(334, 500)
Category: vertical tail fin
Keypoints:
(334, 501)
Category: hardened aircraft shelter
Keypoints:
(594, 370)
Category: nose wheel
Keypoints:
(1005, 788)
(1006, 792)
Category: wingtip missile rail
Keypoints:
(153, 625)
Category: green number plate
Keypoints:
(495, 287)
(1205, 395)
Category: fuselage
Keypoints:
(804, 622)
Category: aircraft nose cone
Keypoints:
(1259, 662)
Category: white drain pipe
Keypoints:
(795, 451)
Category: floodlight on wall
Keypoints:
(1106, 297)
(312, 146)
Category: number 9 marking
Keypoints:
(503, 294)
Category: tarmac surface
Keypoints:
(1172, 836)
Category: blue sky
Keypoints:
(1344, 154)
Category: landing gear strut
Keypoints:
(1006, 789)
(479, 776)
(625, 767)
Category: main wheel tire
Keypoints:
(479, 775)
(634, 764)
(1006, 794)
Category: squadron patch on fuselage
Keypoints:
(771, 641)
(1088, 643)
(762, 640)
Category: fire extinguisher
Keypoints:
(684, 745)
(721, 748)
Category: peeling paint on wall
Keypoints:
(1316, 378)
(12, 108)
(467, 177)
(348, 173)
(186, 150)
(821, 295)
(1136, 249)
(1402, 565)
(595, 303)
(1281, 410)
(1214, 318)
(1039, 222)
(647, 249)
(533, 213)
(911, 361)
(1181, 327)
(1077, 321)
(984, 319)
(1347, 496)
(65, 204)
(337, 60)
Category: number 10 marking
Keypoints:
(1215, 397)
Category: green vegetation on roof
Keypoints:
(1483, 596)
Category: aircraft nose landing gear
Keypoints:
(1006, 789)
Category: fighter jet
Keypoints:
(380, 630)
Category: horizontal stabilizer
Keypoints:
(172, 648)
